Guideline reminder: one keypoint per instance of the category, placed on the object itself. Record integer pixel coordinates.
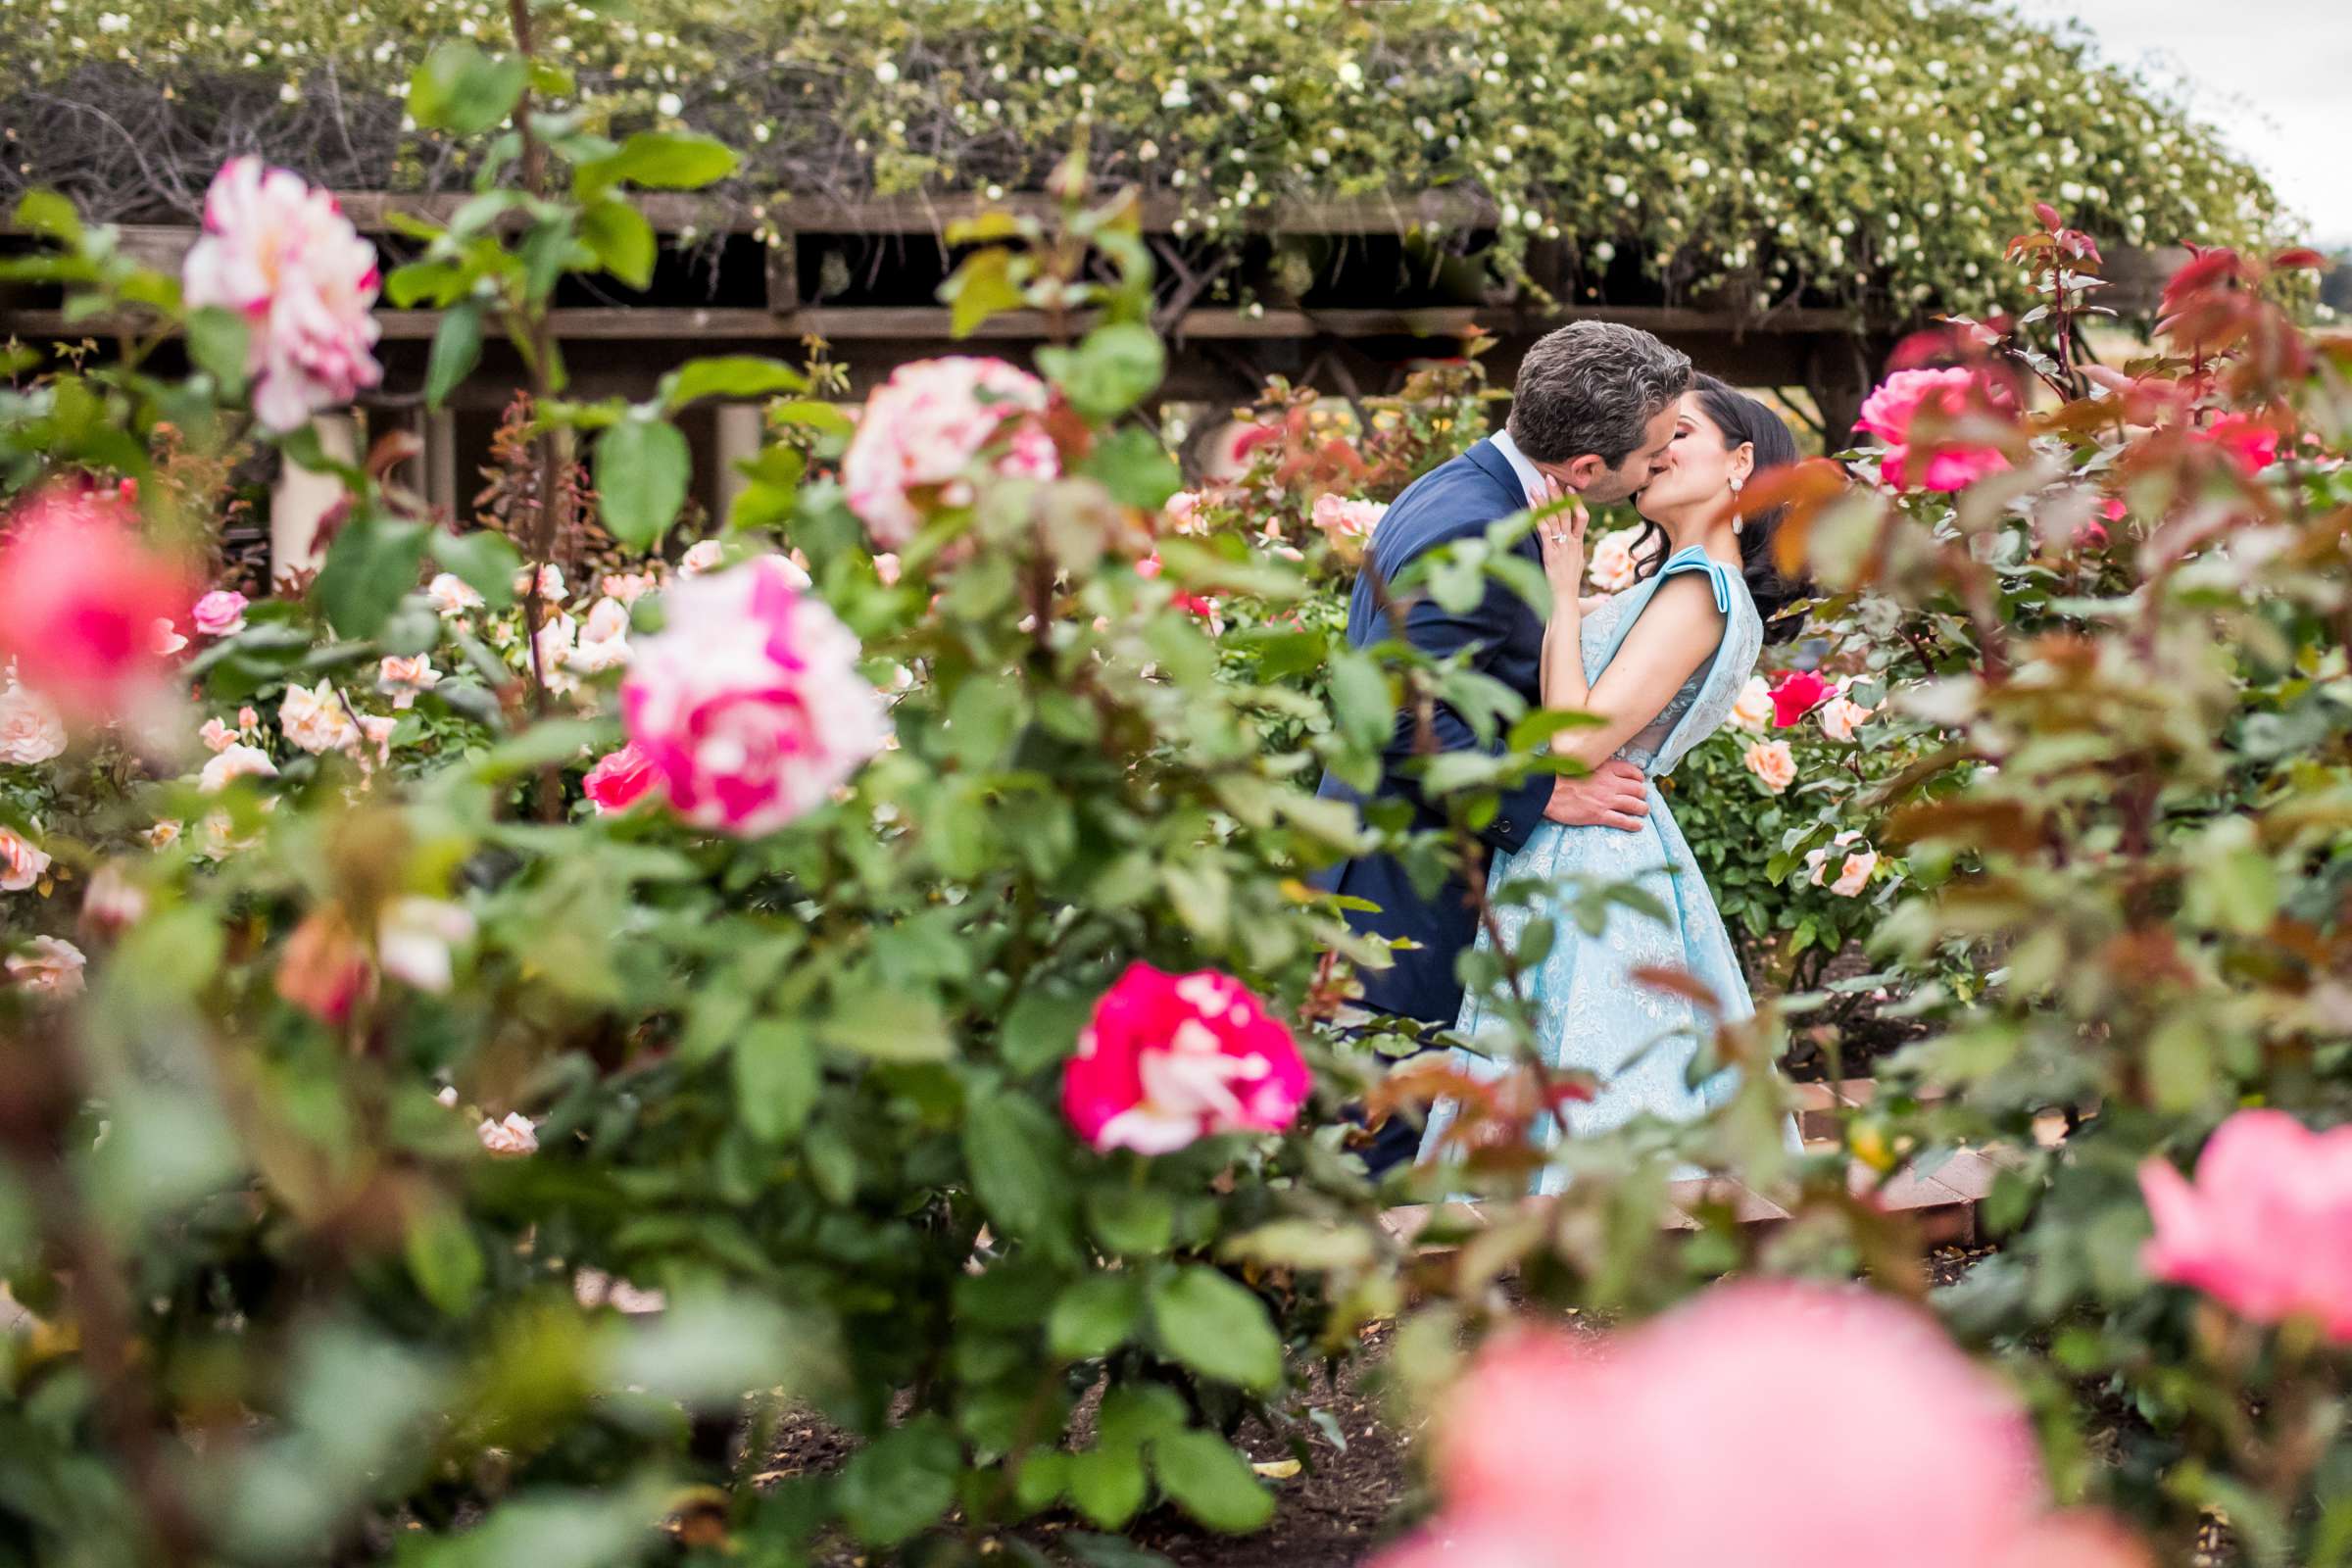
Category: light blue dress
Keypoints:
(1639, 1042)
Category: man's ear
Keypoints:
(1579, 472)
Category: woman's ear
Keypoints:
(1744, 463)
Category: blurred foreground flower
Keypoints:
(1656, 1448)
(618, 779)
(1891, 411)
(81, 595)
(1169, 1058)
(286, 259)
(49, 967)
(924, 428)
(749, 707)
(511, 1136)
(1611, 568)
(2267, 1227)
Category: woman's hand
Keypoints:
(1561, 537)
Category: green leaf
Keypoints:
(900, 1483)
(774, 480)
(484, 560)
(50, 215)
(1042, 1028)
(1113, 368)
(1013, 1145)
(707, 1348)
(1361, 707)
(886, 1025)
(621, 240)
(371, 565)
(1094, 1317)
(1211, 1481)
(1135, 469)
(658, 159)
(444, 1259)
(1131, 1221)
(461, 90)
(1108, 1484)
(217, 340)
(1041, 1479)
(978, 289)
(457, 349)
(729, 375)
(1217, 1327)
(641, 466)
(777, 1078)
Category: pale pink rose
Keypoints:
(1169, 1058)
(1611, 566)
(166, 639)
(447, 1095)
(1817, 857)
(886, 567)
(413, 939)
(219, 614)
(49, 967)
(2267, 1227)
(216, 736)
(1772, 763)
(249, 722)
(559, 635)
(1840, 717)
(114, 901)
(603, 641)
(450, 595)
(322, 969)
(749, 705)
(703, 555)
(549, 580)
(1854, 875)
(402, 679)
(283, 256)
(1351, 522)
(627, 586)
(924, 430)
(1752, 711)
(21, 862)
(234, 762)
(81, 597)
(377, 730)
(1889, 414)
(510, 1137)
(315, 718)
(165, 832)
(31, 730)
(619, 779)
(1183, 512)
(1597, 1447)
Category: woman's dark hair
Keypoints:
(1745, 421)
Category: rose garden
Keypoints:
(774, 1006)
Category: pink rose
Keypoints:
(114, 901)
(31, 729)
(283, 256)
(323, 970)
(1854, 875)
(216, 736)
(1798, 692)
(1592, 1451)
(80, 596)
(49, 967)
(164, 639)
(1842, 717)
(2247, 441)
(21, 863)
(1169, 1058)
(1351, 522)
(235, 762)
(510, 1137)
(1773, 763)
(703, 555)
(925, 429)
(219, 614)
(451, 594)
(749, 707)
(1611, 566)
(1183, 512)
(619, 779)
(315, 718)
(627, 586)
(1889, 414)
(2267, 1227)
(402, 679)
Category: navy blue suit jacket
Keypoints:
(1456, 499)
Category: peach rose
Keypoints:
(1773, 764)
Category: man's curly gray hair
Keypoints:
(1592, 387)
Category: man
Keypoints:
(1592, 414)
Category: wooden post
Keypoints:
(739, 429)
(783, 274)
(300, 498)
(439, 432)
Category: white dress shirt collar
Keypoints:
(1530, 479)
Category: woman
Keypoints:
(1661, 664)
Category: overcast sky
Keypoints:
(2275, 75)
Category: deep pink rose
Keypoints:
(1598, 1447)
(925, 428)
(1169, 1058)
(284, 256)
(2247, 442)
(219, 614)
(1889, 414)
(81, 595)
(1797, 694)
(620, 778)
(2267, 1227)
(749, 707)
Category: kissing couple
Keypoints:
(1601, 412)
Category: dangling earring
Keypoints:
(1737, 519)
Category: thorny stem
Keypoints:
(542, 355)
